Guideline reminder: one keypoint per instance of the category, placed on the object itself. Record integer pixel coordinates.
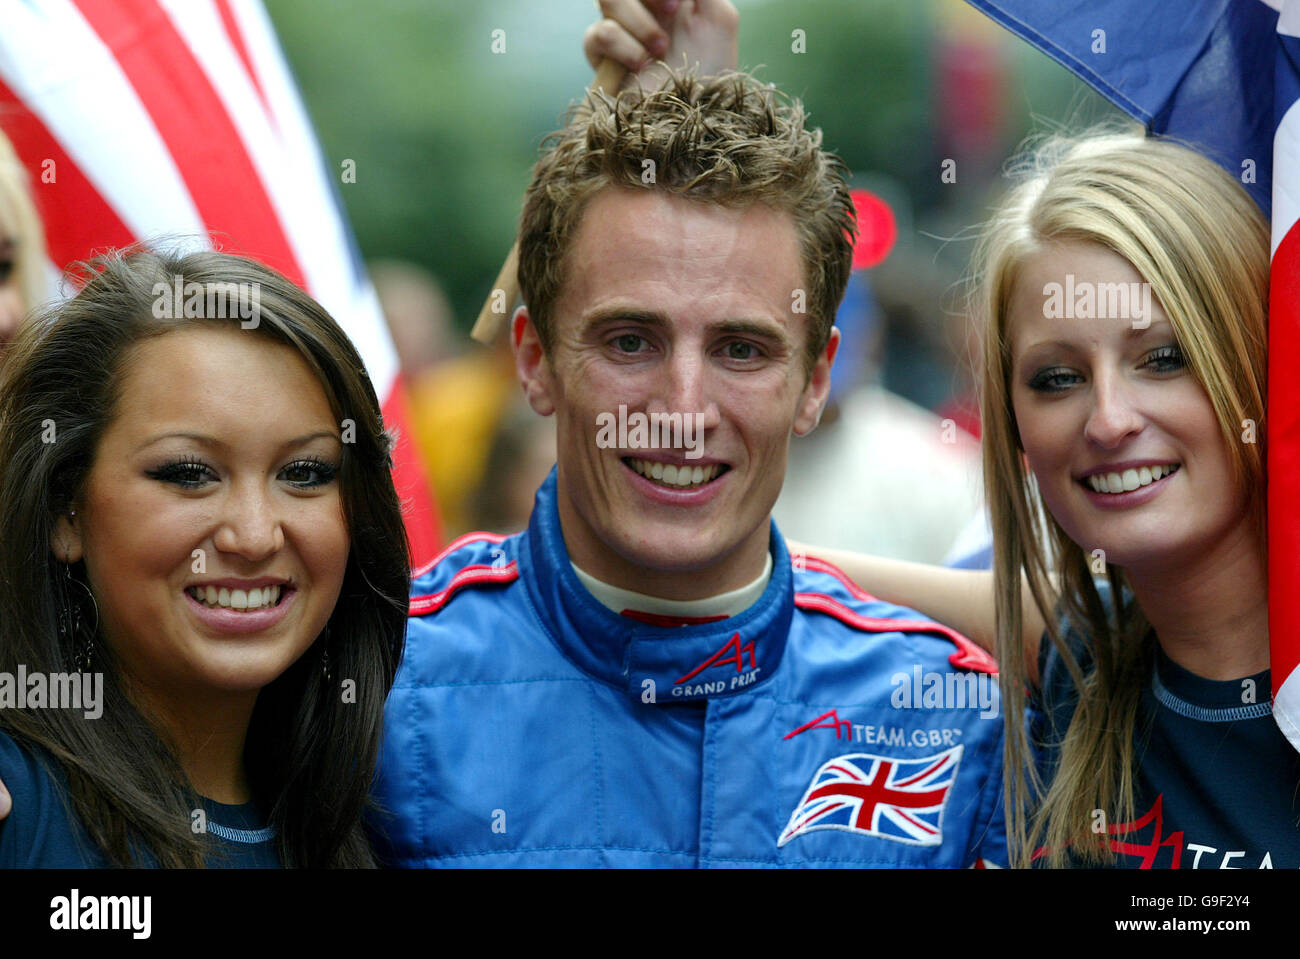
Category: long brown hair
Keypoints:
(310, 756)
(1193, 233)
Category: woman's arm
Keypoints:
(960, 598)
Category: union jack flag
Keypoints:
(898, 799)
(144, 118)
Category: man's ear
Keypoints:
(818, 388)
(65, 540)
(531, 364)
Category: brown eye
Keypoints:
(185, 473)
(6, 270)
(309, 473)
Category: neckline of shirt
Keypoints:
(242, 822)
(726, 604)
(1209, 700)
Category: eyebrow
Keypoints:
(204, 440)
(652, 318)
(1133, 333)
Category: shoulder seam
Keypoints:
(456, 544)
(968, 655)
(818, 565)
(477, 575)
(459, 542)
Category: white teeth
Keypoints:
(238, 599)
(1130, 479)
(678, 476)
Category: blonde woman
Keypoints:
(22, 247)
(1122, 287)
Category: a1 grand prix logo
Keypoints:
(731, 652)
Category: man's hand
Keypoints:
(638, 33)
(5, 802)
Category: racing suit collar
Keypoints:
(656, 664)
(671, 612)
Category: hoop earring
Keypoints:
(70, 623)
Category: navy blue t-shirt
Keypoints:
(41, 832)
(1217, 786)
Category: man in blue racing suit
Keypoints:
(645, 677)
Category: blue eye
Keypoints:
(628, 342)
(1053, 380)
(740, 350)
(1167, 359)
(322, 473)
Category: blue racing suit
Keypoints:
(531, 726)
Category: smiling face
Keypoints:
(222, 442)
(1121, 437)
(673, 306)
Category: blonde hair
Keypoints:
(1191, 231)
(19, 213)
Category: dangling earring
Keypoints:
(70, 624)
(87, 652)
(325, 654)
(69, 612)
(85, 655)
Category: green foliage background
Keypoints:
(443, 131)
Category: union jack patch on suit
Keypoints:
(898, 799)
